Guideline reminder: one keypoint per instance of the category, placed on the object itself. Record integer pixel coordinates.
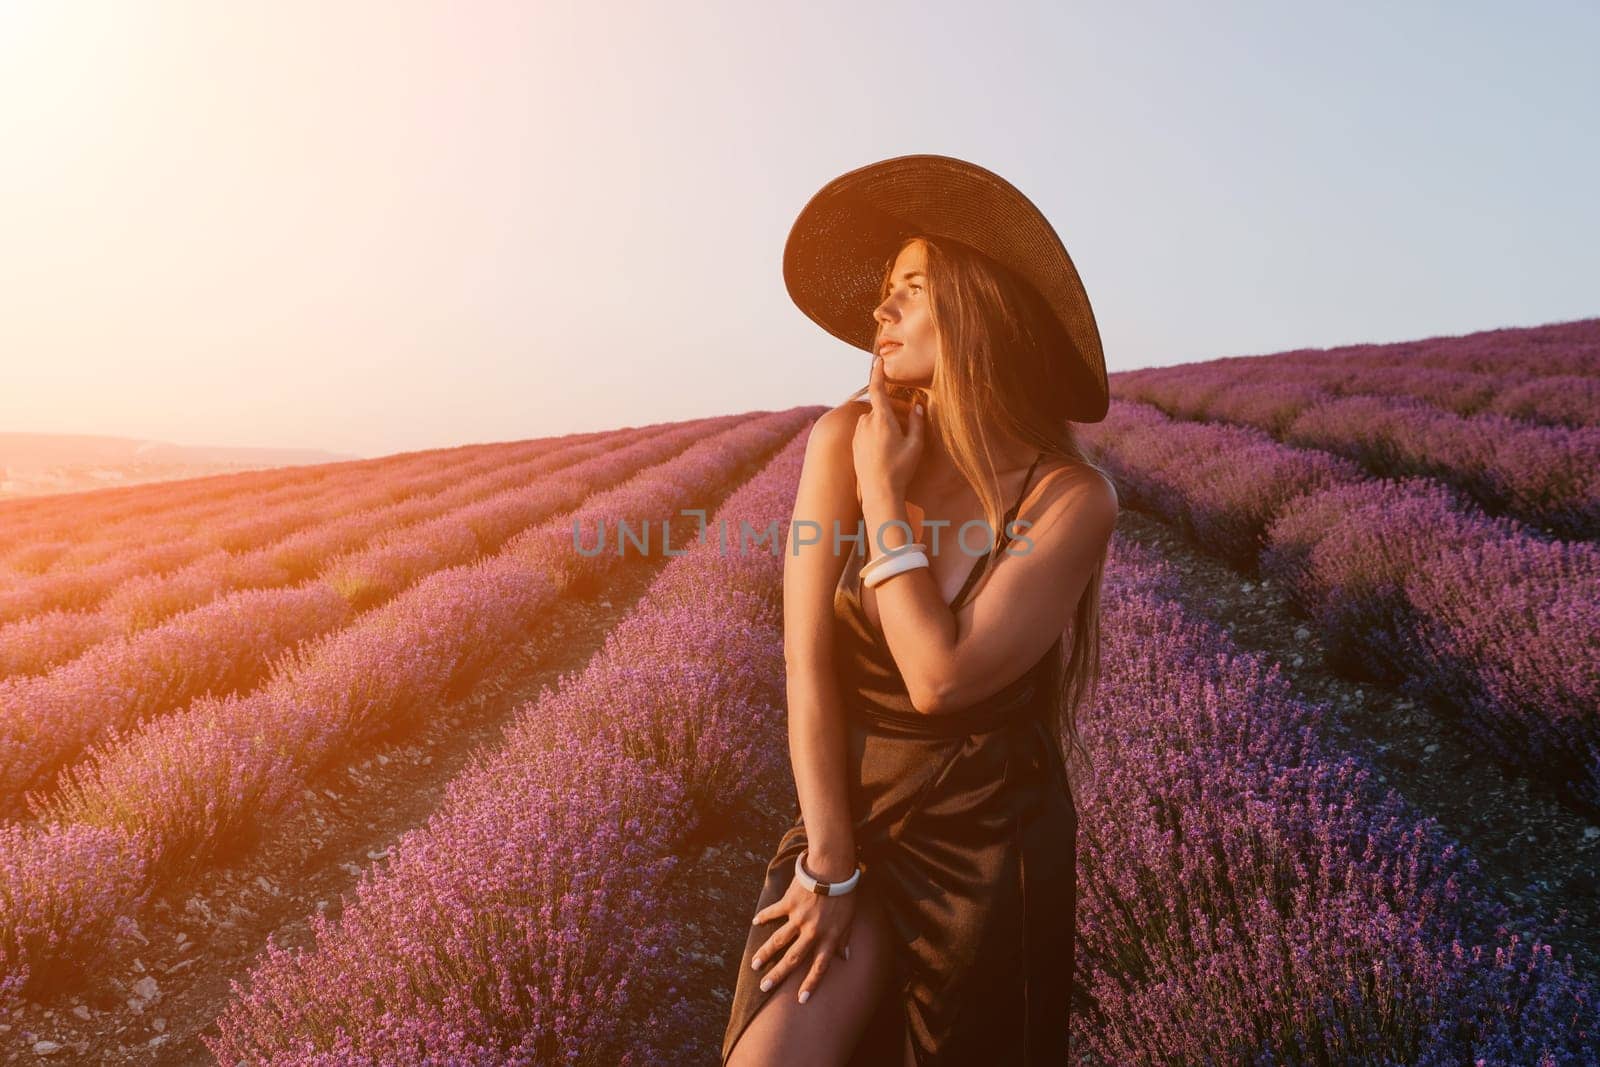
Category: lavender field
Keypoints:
(363, 763)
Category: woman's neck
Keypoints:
(937, 469)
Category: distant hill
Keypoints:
(32, 464)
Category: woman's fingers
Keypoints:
(877, 386)
(791, 960)
(776, 910)
(818, 967)
(773, 945)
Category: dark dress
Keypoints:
(967, 833)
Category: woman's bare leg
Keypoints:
(824, 1030)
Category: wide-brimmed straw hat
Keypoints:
(838, 247)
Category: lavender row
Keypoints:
(521, 923)
(48, 574)
(246, 524)
(79, 518)
(1571, 400)
(45, 518)
(1478, 616)
(130, 604)
(186, 788)
(1545, 475)
(1246, 896)
(183, 535)
(1405, 580)
(65, 517)
(115, 552)
(108, 565)
(97, 565)
(1554, 349)
(232, 643)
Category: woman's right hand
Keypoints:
(816, 923)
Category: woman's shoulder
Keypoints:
(1064, 470)
(842, 418)
(1065, 483)
(830, 449)
(833, 434)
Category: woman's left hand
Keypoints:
(885, 454)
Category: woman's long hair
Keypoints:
(1002, 363)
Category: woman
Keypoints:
(920, 909)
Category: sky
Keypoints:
(381, 227)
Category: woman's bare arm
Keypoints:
(826, 502)
(952, 660)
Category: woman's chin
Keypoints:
(901, 376)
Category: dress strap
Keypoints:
(1026, 482)
(1000, 542)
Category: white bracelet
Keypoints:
(899, 550)
(893, 565)
(817, 885)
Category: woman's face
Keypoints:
(903, 317)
